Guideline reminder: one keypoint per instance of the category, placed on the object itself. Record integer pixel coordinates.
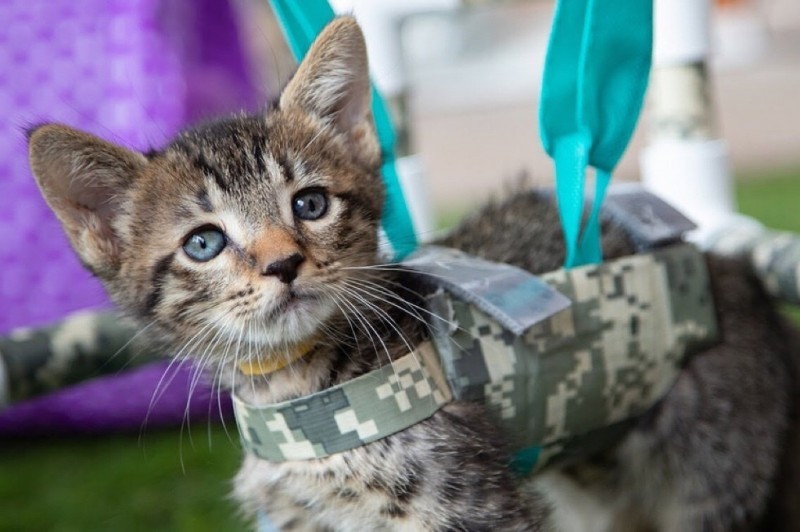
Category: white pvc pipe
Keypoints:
(685, 163)
(380, 20)
(418, 197)
(681, 31)
(693, 176)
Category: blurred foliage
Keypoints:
(157, 481)
(772, 198)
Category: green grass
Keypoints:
(774, 198)
(122, 483)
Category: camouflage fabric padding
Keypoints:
(349, 415)
(775, 256)
(607, 358)
(583, 371)
(85, 344)
(511, 296)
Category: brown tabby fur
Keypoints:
(716, 454)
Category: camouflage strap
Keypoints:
(83, 345)
(346, 416)
(607, 358)
(513, 297)
(580, 373)
(775, 256)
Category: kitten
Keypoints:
(246, 238)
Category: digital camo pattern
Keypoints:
(512, 296)
(775, 256)
(584, 371)
(608, 357)
(349, 415)
(82, 346)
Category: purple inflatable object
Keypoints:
(130, 71)
(126, 402)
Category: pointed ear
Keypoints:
(84, 179)
(332, 81)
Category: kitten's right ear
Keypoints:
(84, 179)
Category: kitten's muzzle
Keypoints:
(285, 269)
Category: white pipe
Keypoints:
(418, 198)
(685, 162)
(692, 175)
(681, 31)
(380, 21)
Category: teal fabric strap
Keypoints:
(595, 76)
(301, 21)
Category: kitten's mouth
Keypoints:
(290, 300)
(291, 315)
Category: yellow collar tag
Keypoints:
(276, 360)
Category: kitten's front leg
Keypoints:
(265, 499)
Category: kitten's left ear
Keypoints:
(84, 180)
(332, 83)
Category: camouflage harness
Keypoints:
(567, 371)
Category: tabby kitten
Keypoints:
(254, 238)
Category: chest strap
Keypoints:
(356, 412)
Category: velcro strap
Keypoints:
(349, 415)
(649, 221)
(514, 297)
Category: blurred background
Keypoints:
(463, 79)
(475, 77)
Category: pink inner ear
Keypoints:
(99, 199)
(355, 106)
(333, 79)
(83, 178)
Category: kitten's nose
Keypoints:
(285, 269)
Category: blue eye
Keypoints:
(310, 204)
(205, 243)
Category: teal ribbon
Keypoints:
(302, 20)
(595, 76)
(523, 462)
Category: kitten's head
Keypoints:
(241, 230)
